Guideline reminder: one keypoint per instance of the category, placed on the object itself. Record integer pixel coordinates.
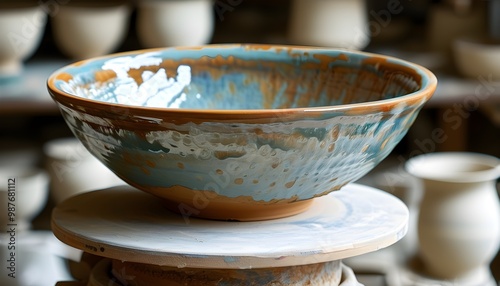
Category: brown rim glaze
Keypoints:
(423, 94)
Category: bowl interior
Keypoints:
(238, 78)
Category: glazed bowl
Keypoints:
(240, 132)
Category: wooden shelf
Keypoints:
(27, 93)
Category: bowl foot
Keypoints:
(240, 212)
(209, 205)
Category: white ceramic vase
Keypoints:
(459, 219)
(174, 22)
(329, 23)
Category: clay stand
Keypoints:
(141, 240)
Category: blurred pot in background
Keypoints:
(174, 22)
(329, 23)
(447, 23)
(23, 194)
(21, 28)
(74, 170)
(84, 29)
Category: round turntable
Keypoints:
(142, 243)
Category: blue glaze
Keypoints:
(230, 259)
(203, 92)
(298, 154)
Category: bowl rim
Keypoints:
(420, 96)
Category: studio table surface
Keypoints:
(127, 224)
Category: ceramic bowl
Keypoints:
(174, 22)
(339, 23)
(21, 30)
(84, 29)
(243, 132)
(73, 170)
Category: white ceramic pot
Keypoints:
(21, 30)
(459, 219)
(23, 195)
(330, 23)
(83, 31)
(175, 22)
(73, 170)
(406, 189)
